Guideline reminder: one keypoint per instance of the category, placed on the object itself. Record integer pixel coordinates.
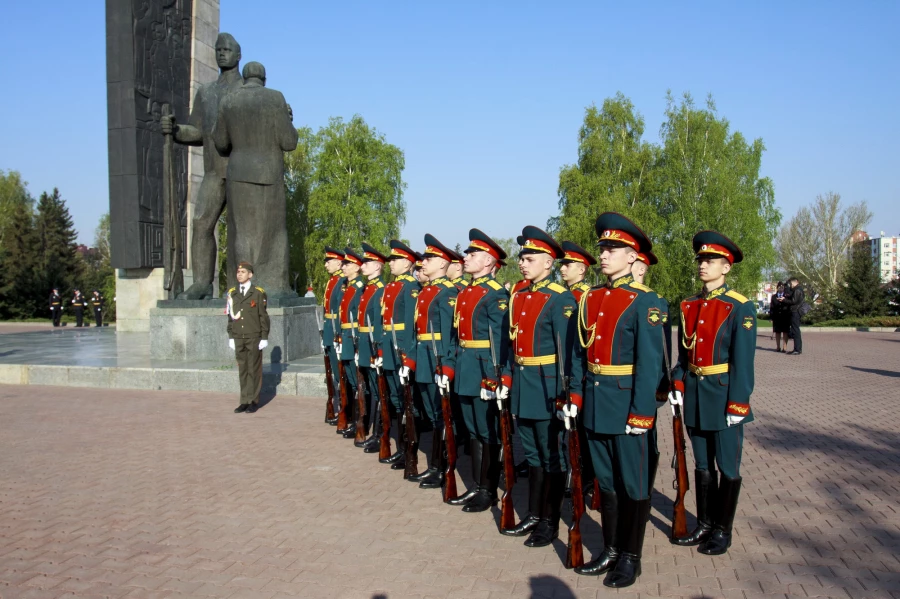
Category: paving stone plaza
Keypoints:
(138, 493)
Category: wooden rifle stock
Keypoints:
(342, 381)
(681, 482)
(574, 546)
(361, 408)
(507, 511)
(412, 438)
(384, 448)
(595, 497)
(329, 384)
(450, 491)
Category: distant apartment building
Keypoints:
(884, 254)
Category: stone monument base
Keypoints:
(196, 330)
(137, 291)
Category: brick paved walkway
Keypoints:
(154, 494)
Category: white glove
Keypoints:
(378, 363)
(442, 381)
(231, 343)
(635, 431)
(487, 394)
(322, 343)
(567, 414)
(501, 393)
(337, 350)
(356, 359)
(404, 374)
(731, 419)
(263, 344)
(676, 398)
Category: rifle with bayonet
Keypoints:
(411, 458)
(384, 446)
(574, 547)
(507, 512)
(681, 483)
(342, 382)
(329, 376)
(361, 408)
(449, 438)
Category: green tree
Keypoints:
(298, 179)
(860, 292)
(356, 193)
(13, 192)
(58, 263)
(98, 271)
(20, 295)
(893, 296)
(814, 244)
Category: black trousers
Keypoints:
(79, 317)
(57, 314)
(98, 316)
(795, 330)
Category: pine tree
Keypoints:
(861, 293)
(18, 265)
(58, 261)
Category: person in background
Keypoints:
(55, 307)
(794, 298)
(79, 303)
(97, 307)
(781, 319)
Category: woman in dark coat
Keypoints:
(781, 319)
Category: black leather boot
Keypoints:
(609, 520)
(490, 479)
(548, 526)
(398, 460)
(720, 539)
(705, 488)
(351, 420)
(433, 464)
(476, 451)
(395, 420)
(530, 522)
(435, 474)
(633, 516)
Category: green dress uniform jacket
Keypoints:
(620, 325)
(369, 318)
(433, 316)
(539, 313)
(331, 304)
(481, 306)
(398, 309)
(348, 312)
(715, 358)
(254, 318)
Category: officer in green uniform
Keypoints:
(455, 274)
(55, 307)
(330, 305)
(541, 319)
(714, 381)
(348, 313)
(481, 314)
(619, 325)
(398, 307)
(79, 303)
(248, 334)
(370, 337)
(434, 331)
(97, 306)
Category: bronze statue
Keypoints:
(254, 129)
(211, 199)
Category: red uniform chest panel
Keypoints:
(703, 320)
(329, 287)
(423, 304)
(368, 292)
(577, 293)
(345, 303)
(389, 299)
(605, 308)
(526, 310)
(466, 305)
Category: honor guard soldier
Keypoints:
(417, 270)
(248, 334)
(434, 331)
(97, 306)
(455, 274)
(79, 303)
(55, 307)
(398, 307)
(370, 335)
(331, 304)
(541, 319)
(348, 312)
(639, 270)
(714, 379)
(619, 326)
(482, 314)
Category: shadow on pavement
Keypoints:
(550, 586)
(889, 373)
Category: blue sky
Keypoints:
(485, 98)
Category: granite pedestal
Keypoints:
(196, 330)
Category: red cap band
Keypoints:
(575, 257)
(538, 246)
(396, 252)
(353, 259)
(716, 250)
(436, 251)
(371, 256)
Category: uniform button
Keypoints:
(599, 336)
(701, 341)
(521, 368)
(607, 293)
(699, 359)
(701, 322)
(523, 314)
(601, 314)
(596, 361)
(596, 383)
(704, 303)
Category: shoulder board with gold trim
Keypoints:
(556, 287)
(448, 284)
(232, 290)
(260, 289)
(639, 286)
(379, 284)
(494, 285)
(359, 283)
(736, 296)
